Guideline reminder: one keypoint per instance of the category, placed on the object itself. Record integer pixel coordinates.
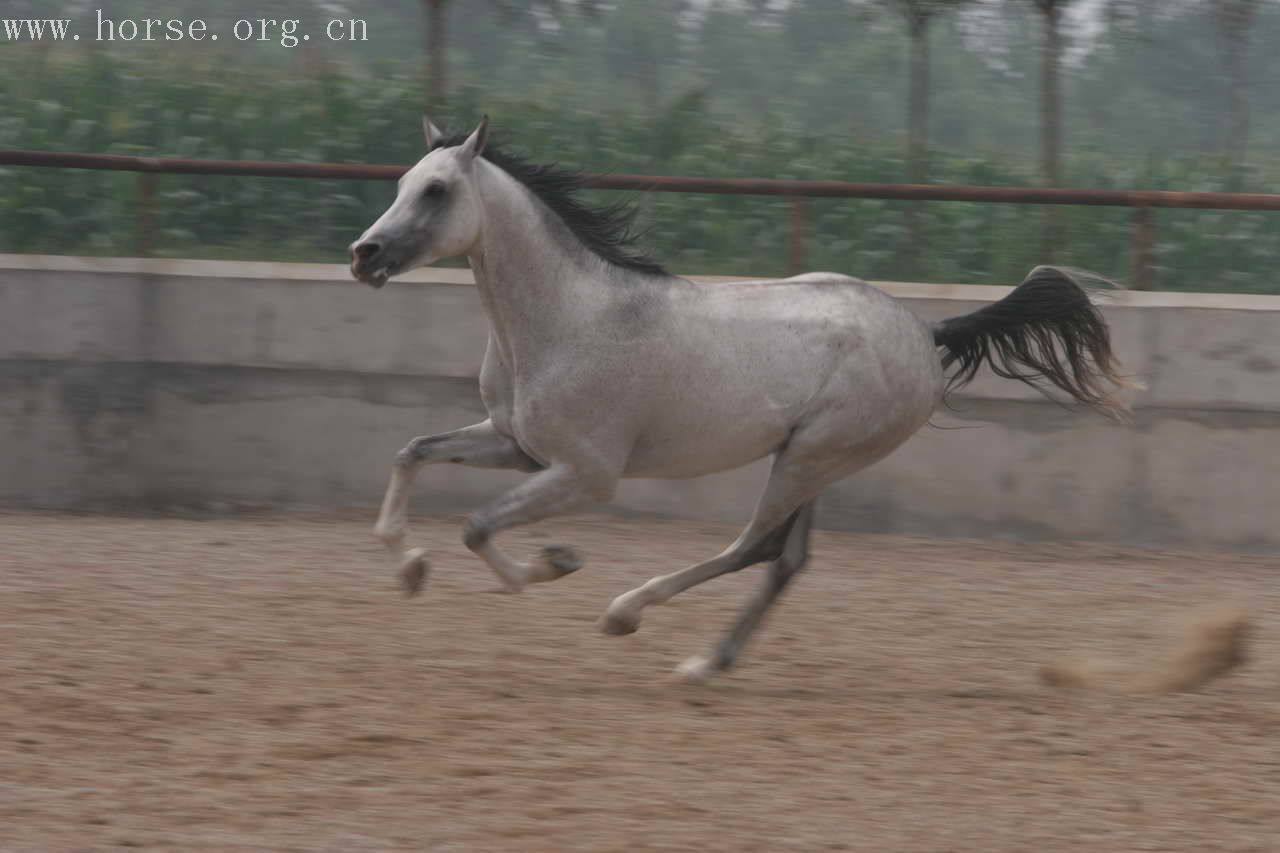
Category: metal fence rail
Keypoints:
(1143, 202)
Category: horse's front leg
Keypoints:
(557, 490)
(480, 446)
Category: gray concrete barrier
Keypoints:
(156, 383)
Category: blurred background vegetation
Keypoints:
(1122, 94)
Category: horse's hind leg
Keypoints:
(795, 553)
(792, 484)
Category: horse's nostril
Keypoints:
(365, 251)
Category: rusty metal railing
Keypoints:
(1143, 202)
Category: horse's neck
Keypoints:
(530, 279)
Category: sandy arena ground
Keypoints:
(262, 685)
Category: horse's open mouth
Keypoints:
(375, 278)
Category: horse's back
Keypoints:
(841, 309)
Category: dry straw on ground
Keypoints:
(1213, 644)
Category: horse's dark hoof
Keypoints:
(560, 561)
(413, 572)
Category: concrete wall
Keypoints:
(202, 384)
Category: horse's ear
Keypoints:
(474, 146)
(430, 132)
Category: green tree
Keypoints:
(642, 42)
(437, 16)
(1050, 89)
(1051, 113)
(919, 14)
(1234, 19)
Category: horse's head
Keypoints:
(436, 213)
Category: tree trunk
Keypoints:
(1050, 98)
(917, 137)
(1050, 121)
(1238, 124)
(1235, 19)
(918, 111)
(437, 51)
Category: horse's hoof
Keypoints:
(560, 561)
(620, 623)
(696, 670)
(413, 572)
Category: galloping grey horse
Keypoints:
(600, 365)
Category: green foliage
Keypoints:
(134, 104)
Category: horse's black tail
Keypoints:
(1045, 331)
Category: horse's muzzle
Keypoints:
(374, 278)
(370, 265)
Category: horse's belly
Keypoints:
(693, 453)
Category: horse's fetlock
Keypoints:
(475, 535)
(389, 533)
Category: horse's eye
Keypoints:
(435, 190)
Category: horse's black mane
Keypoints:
(606, 231)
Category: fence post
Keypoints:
(144, 222)
(1142, 274)
(798, 236)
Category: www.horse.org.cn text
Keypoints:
(288, 32)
